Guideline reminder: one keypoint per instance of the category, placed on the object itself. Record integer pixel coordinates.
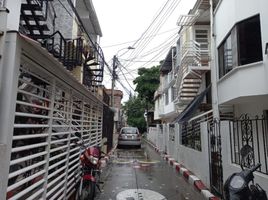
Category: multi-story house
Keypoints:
(183, 133)
(241, 45)
(193, 54)
(224, 44)
(166, 93)
(50, 68)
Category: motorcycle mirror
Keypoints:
(246, 151)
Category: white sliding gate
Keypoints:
(51, 115)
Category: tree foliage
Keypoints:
(134, 109)
(146, 84)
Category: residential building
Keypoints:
(241, 79)
(228, 52)
(50, 69)
(183, 133)
(166, 93)
(117, 98)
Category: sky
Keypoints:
(149, 26)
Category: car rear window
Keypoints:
(129, 131)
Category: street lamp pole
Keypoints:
(114, 75)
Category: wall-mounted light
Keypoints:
(266, 48)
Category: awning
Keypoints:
(192, 107)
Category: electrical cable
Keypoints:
(159, 54)
(166, 43)
(126, 79)
(152, 31)
(119, 44)
(168, 12)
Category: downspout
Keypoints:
(213, 66)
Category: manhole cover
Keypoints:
(139, 194)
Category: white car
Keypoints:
(129, 136)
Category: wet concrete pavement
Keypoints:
(141, 174)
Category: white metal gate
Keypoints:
(50, 117)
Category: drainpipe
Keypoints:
(213, 66)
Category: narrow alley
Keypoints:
(135, 174)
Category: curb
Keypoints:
(187, 174)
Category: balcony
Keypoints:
(67, 51)
(194, 63)
(245, 83)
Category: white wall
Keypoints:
(196, 161)
(229, 12)
(248, 108)
(243, 81)
(13, 18)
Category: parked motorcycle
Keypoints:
(90, 160)
(238, 187)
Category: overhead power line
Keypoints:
(128, 42)
(154, 27)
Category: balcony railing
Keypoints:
(68, 51)
(194, 62)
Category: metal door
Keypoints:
(216, 177)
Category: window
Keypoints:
(173, 93)
(241, 46)
(166, 98)
(249, 41)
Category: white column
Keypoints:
(3, 25)
(176, 142)
(213, 66)
(158, 136)
(13, 19)
(8, 95)
(168, 141)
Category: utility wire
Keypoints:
(126, 79)
(162, 47)
(160, 53)
(154, 28)
(165, 16)
(119, 44)
(147, 31)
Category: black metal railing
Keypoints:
(252, 133)
(93, 67)
(67, 51)
(191, 135)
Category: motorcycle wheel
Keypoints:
(88, 191)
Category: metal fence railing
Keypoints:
(251, 133)
(190, 131)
